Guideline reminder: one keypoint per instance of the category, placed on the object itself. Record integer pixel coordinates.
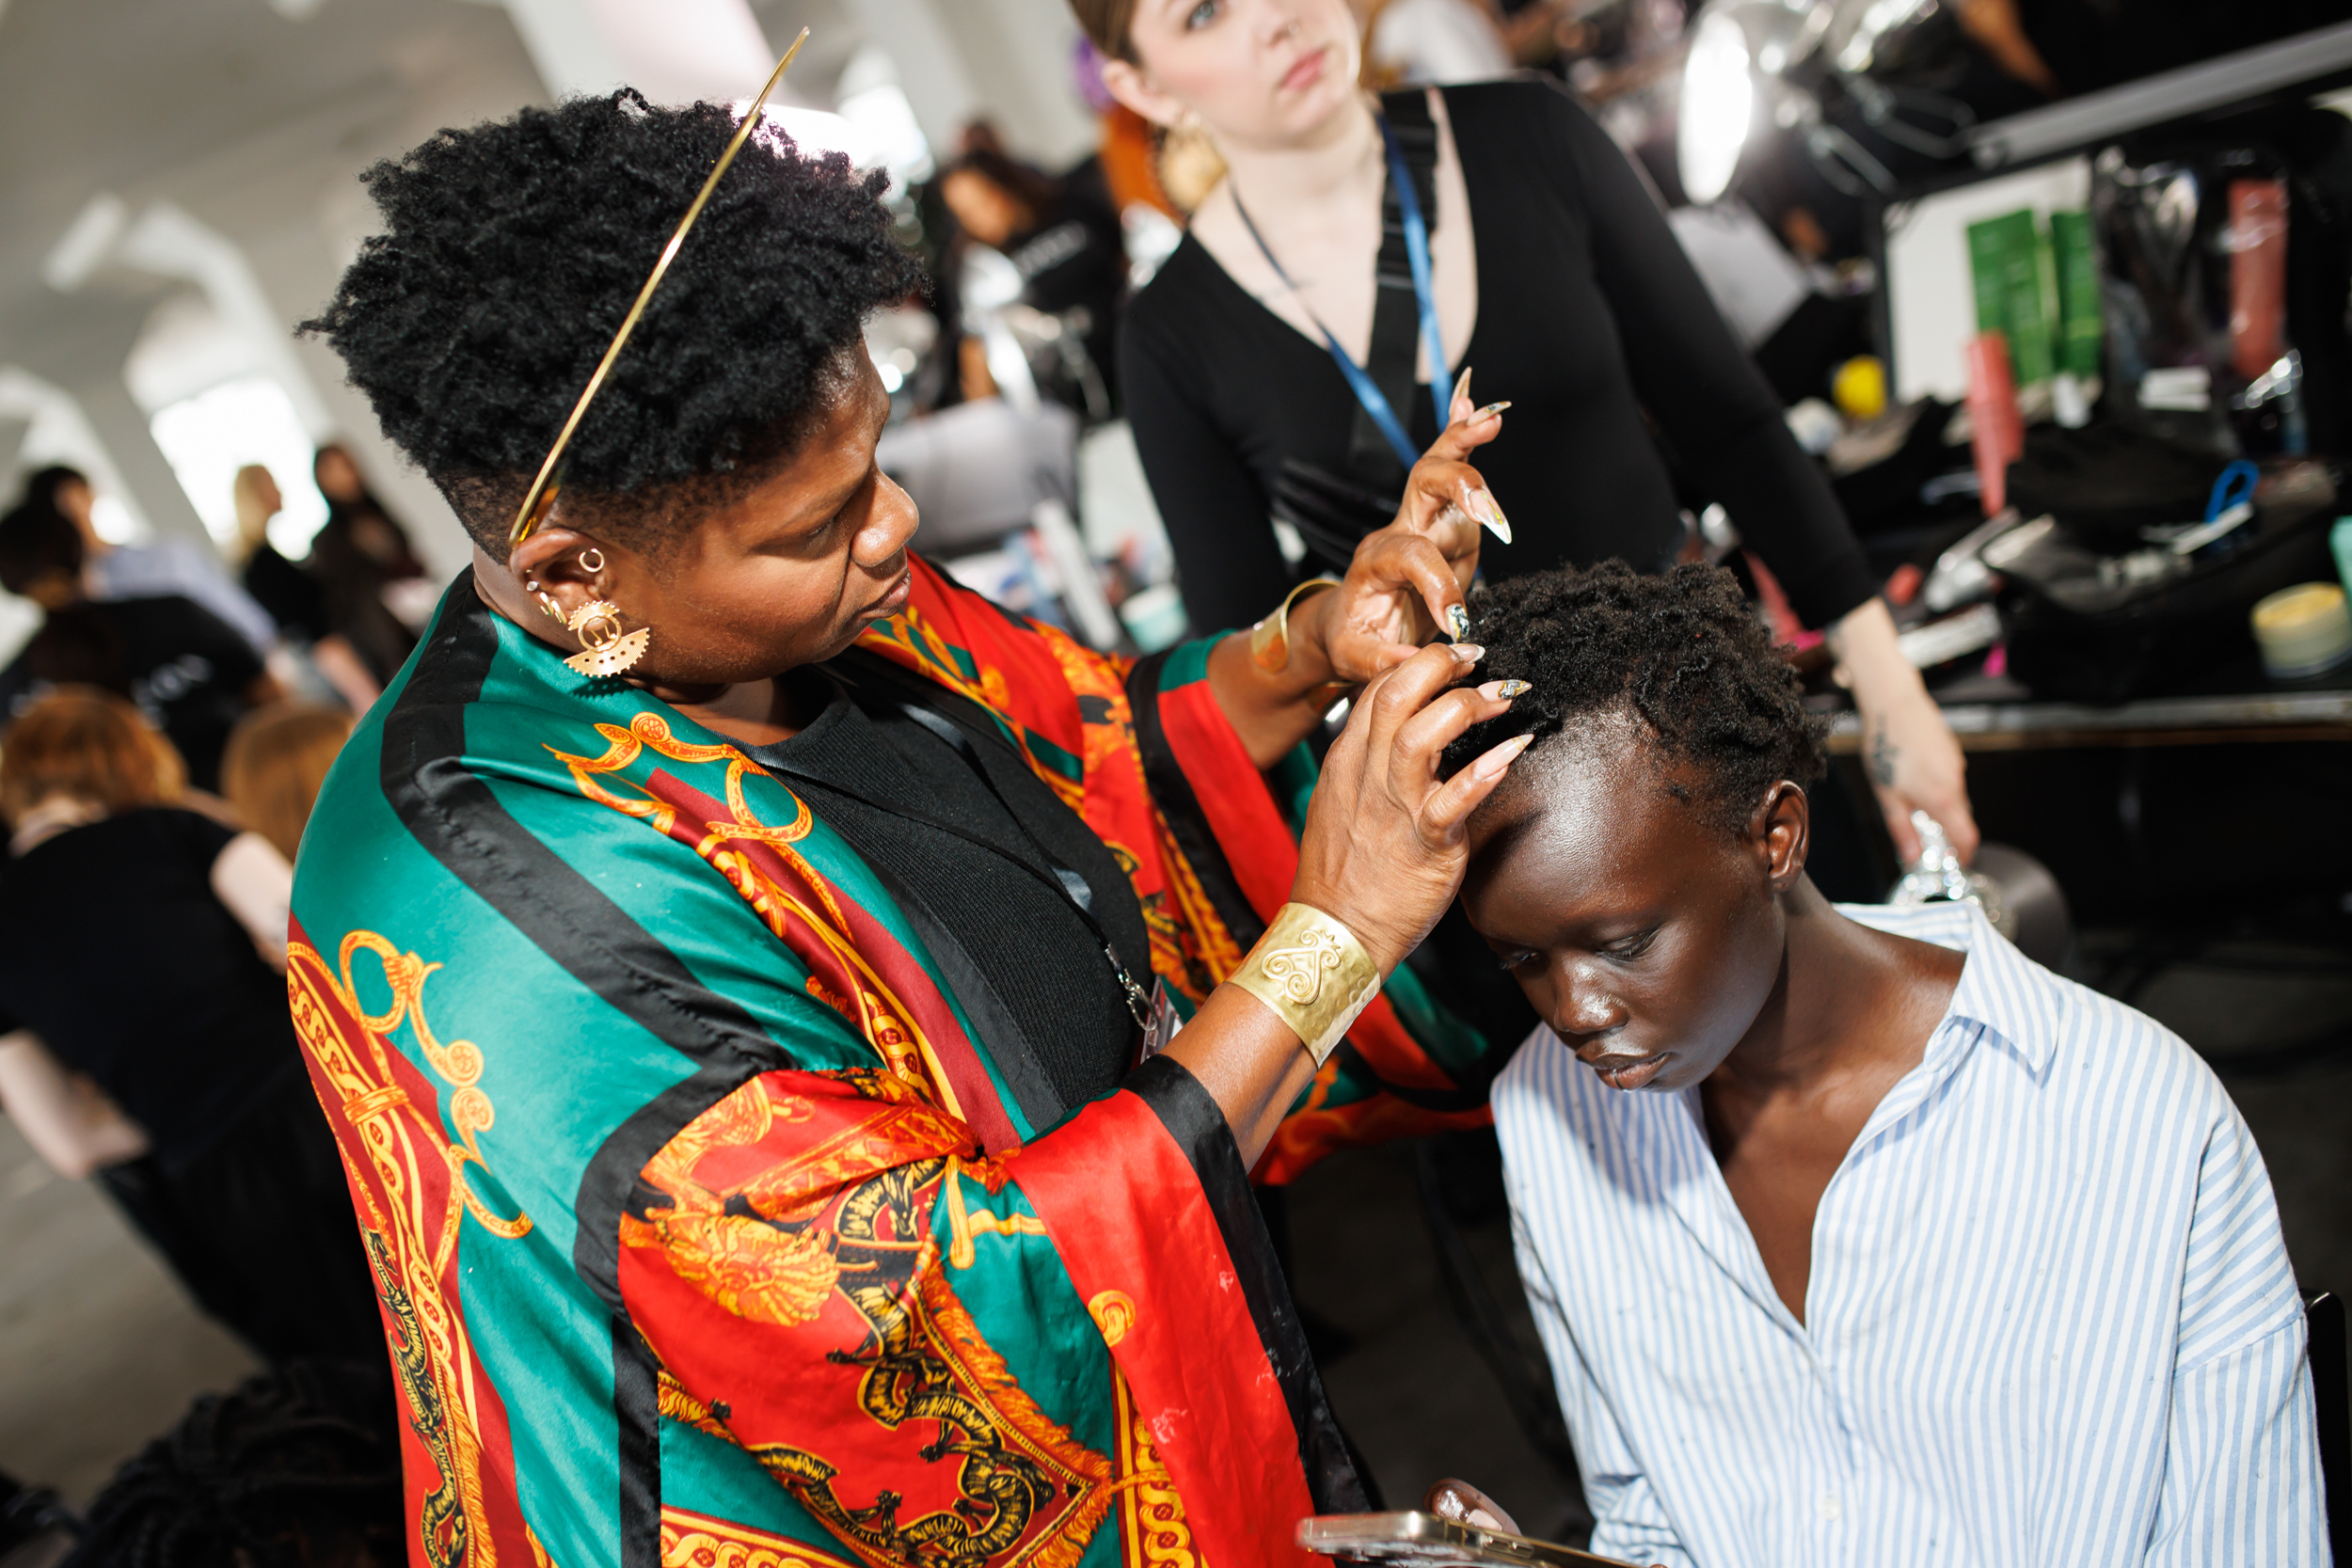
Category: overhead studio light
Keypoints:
(1718, 102)
(1757, 67)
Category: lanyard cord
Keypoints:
(1359, 381)
(1066, 884)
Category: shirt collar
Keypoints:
(1999, 987)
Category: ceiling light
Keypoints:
(1718, 103)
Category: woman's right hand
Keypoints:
(1405, 579)
(1383, 853)
(1385, 844)
(1406, 576)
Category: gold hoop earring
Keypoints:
(592, 568)
(604, 649)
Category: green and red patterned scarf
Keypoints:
(706, 1228)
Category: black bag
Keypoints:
(2081, 630)
(2107, 482)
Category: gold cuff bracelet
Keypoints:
(1270, 639)
(1313, 972)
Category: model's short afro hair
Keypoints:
(510, 254)
(1683, 654)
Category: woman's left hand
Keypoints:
(1916, 764)
(1908, 747)
(1408, 578)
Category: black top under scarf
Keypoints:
(1026, 970)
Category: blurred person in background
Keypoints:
(277, 759)
(292, 594)
(141, 946)
(1283, 363)
(1063, 238)
(359, 555)
(167, 566)
(186, 670)
(2066, 47)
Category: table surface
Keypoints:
(2233, 704)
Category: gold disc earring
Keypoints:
(604, 649)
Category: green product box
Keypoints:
(1988, 269)
(2081, 326)
(2015, 276)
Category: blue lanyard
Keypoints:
(1375, 402)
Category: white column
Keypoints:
(1007, 60)
(1020, 51)
(166, 240)
(121, 427)
(672, 51)
(930, 64)
(59, 431)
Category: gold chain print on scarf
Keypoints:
(875, 1010)
(850, 1214)
(1151, 1515)
(692, 1540)
(412, 1209)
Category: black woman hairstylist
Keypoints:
(785, 1169)
(1295, 351)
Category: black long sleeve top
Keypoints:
(1588, 315)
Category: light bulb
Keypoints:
(1718, 102)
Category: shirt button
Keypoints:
(1829, 1508)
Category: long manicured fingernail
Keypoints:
(1503, 756)
(1508, 690)
(1480, 503)
(1456, 622)
(1491, 408)
(1471, 653)
(1461, 390)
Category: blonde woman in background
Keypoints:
(294, 598)
(1549, 267)
(275, 761)
(141, 946)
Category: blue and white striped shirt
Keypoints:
(2050, 1319)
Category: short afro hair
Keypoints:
(512, 252)
(38, 541)
(1683, 654)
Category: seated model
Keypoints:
(1912, 1251)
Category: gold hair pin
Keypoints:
(540, 498)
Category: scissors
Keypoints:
(2234, 488)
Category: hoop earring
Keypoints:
(592, 568)
(604, 649)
